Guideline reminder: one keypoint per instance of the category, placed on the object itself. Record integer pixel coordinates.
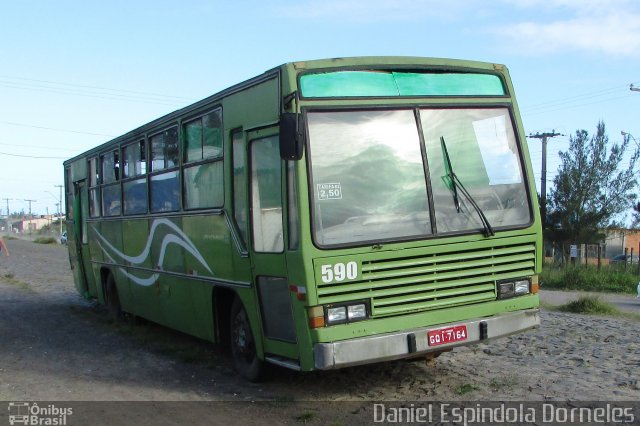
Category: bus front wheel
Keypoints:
(243, 344)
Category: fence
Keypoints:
(592, 254)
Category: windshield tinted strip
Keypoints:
(345, 84)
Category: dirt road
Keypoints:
(56, 346)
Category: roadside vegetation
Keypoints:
(590, 305)
(10, 278)
(609, 279)
(45, 240)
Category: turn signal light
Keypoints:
(316, 316)
(535, 285)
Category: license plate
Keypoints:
(447, 335)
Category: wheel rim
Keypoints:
(243, 344)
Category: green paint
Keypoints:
(397, 279)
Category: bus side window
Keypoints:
(239, 184)
(266, 195)
(164, 187)
(292, 208)
(165, 192)
(203, 170)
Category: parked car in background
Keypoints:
(620, 259)
(63, 238)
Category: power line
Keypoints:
(54, 129)
(54, 148)
(578, 105)
(33, 156)
(113, 97)
(571, 99)
(59, 83)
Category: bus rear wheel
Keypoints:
(112, 299)
(243, 344)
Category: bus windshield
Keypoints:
(372, 173)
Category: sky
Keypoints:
(74, 74)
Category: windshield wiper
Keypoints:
(452, 176)
(455, 184)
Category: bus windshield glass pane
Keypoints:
(345, 84)
(368, 177)
(368, 174)
(485, 158)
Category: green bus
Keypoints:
(324, 214)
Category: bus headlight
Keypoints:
(521, 287)
(509, 289)
(345, 313)
(336, 315)
(357, 312)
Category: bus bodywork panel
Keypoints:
(415, 342)
(413, 281)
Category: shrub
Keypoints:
(590, 305)
(45, 240)
(589, 278)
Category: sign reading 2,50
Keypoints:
(339, 272)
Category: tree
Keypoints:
(591, 188)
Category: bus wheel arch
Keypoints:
(111, 296)
(221, 304)
(243, 344)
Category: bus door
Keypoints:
(83, 265)
(267, 247)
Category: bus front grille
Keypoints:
(433, 281)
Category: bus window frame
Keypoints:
(151, 172)
(435, 69)
(93, 187)
(415, 108)
(251, 206)
(185, 165)
(141, 142)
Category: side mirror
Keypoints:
(291, 136)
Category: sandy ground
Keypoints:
(56, 346)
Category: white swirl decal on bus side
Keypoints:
(179, 238)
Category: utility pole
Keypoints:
(60, 206)
(543, 179)
(30, 217)
(8, 213)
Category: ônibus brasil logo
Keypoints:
(30, 413)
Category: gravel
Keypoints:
(57, 346)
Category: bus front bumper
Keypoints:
(413, 343)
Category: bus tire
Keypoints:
(243, 345)
(112, 299)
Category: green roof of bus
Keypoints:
(290, 71)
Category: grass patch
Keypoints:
(609, 279)
(582, 307)
(498, 383)
(9, 278)
(590, 305)
(45, 240)
(465, 389)
(306, 417)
